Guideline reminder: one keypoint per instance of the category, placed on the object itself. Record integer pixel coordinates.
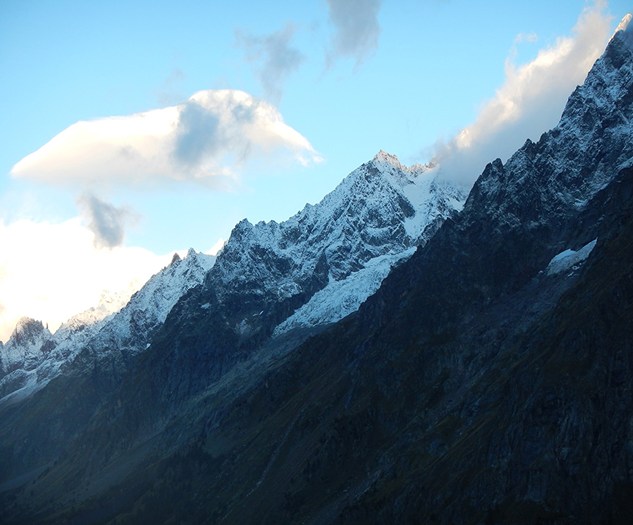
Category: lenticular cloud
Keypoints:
(209, 139)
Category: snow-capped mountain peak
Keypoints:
(26, 344)
(382, 159)
(28, 330)
(109, 303)
(595, 133)
(371, 221)
(388, 163)
(131, 328)
(267, 274)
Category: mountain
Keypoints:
(487, 379)
(131, 329)
(26, 345)
(33, 356)
(373, 220)
(396, 208)
(26, 365)
(478, 385)
(325, 261)
(274, 285)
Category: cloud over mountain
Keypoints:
(209, 139)
(52, 271)
(530, 101)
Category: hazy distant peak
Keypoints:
(27, 328)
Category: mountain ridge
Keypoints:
(474, 386)
(127, 330)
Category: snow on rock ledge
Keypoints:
(569, 259)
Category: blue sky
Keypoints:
(331, 82)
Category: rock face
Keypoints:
(488, 379)
(29, 345)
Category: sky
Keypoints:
(134, 129)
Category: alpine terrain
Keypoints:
(399, 353)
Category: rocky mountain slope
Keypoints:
(487, 380)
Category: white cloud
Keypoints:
(53, 271)
(208, 139)
(219, 244)
(356, 29)
(529, 102)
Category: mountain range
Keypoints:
(405, 351)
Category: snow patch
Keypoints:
(569, 259)
(340, 298)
